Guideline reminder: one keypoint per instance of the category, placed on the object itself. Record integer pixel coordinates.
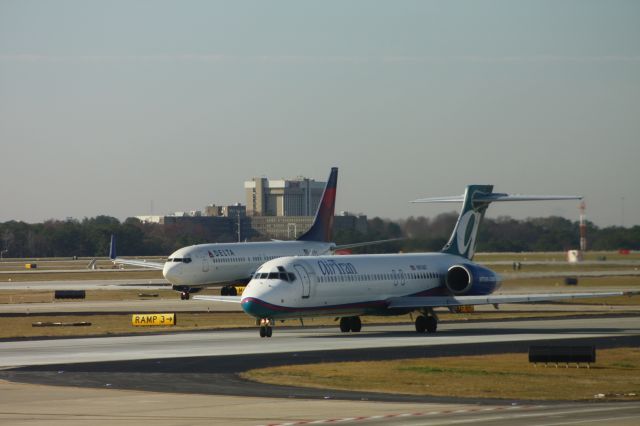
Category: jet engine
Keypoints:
(471, 280)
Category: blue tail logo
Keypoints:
(463, 239)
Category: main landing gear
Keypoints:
(348, 324)
(427, 322)
(266, 329)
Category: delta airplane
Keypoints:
(347, 287)
(192, 268)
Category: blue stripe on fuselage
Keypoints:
(261, 309)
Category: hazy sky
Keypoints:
(107, 105)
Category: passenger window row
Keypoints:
(228, 259)
(379, 277)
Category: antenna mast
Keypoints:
(583, 228)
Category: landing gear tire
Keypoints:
(348, 324)
(345, 324)
(356, 324)
(184, 295)
(432, 324)
(265, 327)
(421, 324)
(228, 290)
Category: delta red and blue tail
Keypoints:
(322, 227)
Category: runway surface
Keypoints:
(126, 284)
(37, 405)
(562, 274)
(125, 306)
(296, 340)
(190, 374)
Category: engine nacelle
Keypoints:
(471, 280)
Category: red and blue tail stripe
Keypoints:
(322, 227)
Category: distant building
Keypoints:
(232, 211)
(151, 219)
(291, 227)
(276, 209)
(284, 197)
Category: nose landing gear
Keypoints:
(266, 329)
(184, 295)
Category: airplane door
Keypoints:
(304, 277)
(205, 264)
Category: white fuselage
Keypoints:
(343, 285)
(212, 264)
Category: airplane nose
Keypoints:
(171, 273)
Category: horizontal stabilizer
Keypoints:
(444, 301)
(496, 197)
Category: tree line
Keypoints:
(90, 237)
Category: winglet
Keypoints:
(112, 247)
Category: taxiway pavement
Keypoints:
(190, 374)
(296, 340)
(125, 284)
(37, 405)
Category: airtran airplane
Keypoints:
(192, 268)
(348, 287)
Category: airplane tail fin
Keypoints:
(112, 247)
(322, 227)
(476, 200)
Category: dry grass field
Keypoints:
(615, 376)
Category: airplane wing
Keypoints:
(366, 243)
(141, 263)
(229, 299)
(445, 301)
(120, 261)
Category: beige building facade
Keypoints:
(283, 197)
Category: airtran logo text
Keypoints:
(331, 267)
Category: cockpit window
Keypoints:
(177, 259)
(279, 274)
(186, 260)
